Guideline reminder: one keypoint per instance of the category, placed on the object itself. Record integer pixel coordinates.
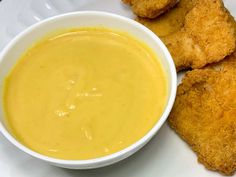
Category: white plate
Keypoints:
(165, 156)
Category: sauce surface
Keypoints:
(84, 93)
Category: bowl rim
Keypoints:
(130, 148)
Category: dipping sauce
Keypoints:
(84, 93)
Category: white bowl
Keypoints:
(23, 41)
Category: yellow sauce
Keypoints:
(84, 93)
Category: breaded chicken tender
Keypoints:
(204, 114)
(150, 8)
(196, 32)
(208, 35)
(171, 21)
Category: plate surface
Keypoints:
(165, 156)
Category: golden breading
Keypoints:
(150, 8)
(204, 114)
(206, 34)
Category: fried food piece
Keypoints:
(150, 8)
(194, 31)
(204, 114)
(171, 21)
(208, 36)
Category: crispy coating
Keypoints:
(171, 21)
(150, 8)
(204, 114)
(205, 35)
(208, 36)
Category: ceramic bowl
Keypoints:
(24, 40)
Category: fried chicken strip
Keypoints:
(196, 32)
(204, 114)
(208, 36)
